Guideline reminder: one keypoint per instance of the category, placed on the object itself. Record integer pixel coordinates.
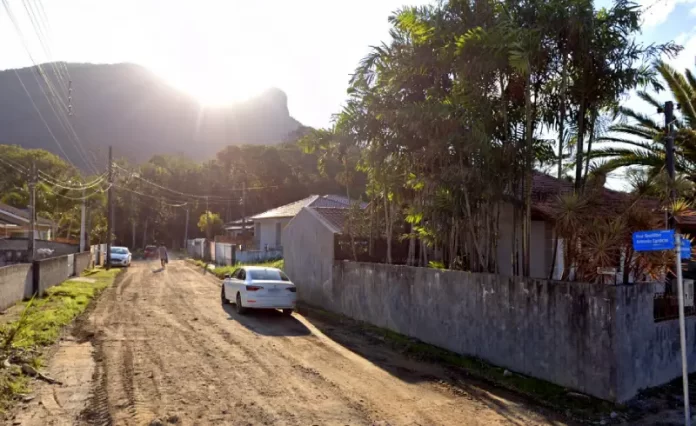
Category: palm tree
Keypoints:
(641, 143)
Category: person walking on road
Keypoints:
(164, 258)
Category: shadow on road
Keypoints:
(408, 365)
(157, 271)
(268, 322)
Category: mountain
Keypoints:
(130, 108)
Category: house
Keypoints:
(15, 222)
(269, 225)
(314, 225)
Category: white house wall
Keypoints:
(309, 256)
(267, 232)
(541, 245)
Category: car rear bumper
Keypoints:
(269, 302)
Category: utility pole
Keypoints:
(207, 230)
(671, 224)
(186, 229)
(110, 206)
(243, 208)
(32, 212)
(82, 222)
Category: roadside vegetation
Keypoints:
(31, 326)
(220, 271)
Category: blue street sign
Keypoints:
(659, 239)
(685, 248)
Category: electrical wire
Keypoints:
(101, 191)
(15, 166)
(72, 188)
(82, 185)
(159, 198)
(196, 196)
(55, 101)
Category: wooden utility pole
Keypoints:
(82, 222)
(243, 211)
(32, 213)
(186, 229)
(110, 207)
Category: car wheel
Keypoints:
(241, 310)
(223, 298)
(287, 312)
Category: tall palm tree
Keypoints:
(641, 143)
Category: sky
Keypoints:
(220, 51)
(225, 51)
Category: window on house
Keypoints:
(278, 230)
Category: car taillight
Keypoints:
(292, 289)
(253, 288)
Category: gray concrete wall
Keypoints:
(597, 339)
(15, 284)
(50, 272)
(309, 254)
(648, 352)
(82, 262)
(560, 332)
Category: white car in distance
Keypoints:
(257, 287)
(120, 256)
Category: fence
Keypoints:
(343, 250)
(227, 254)
(598, 339)
(20, 281)
(16, 250)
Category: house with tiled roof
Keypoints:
(268, 226)
(16, 222)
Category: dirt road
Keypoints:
(159, 348)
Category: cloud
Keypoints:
(687, 57)
(656, 12)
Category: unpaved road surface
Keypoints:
(159, 348)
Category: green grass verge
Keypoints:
(220, 271)
(580, 408)
(24, 338)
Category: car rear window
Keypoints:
(119, 250)
(267, 274)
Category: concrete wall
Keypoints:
(49, 272)
(309, 254)
(82, 262)
(597, 339)
(648, 352)
(15, 284)
(20, 281)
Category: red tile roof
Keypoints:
(545, 191)
(335, 216)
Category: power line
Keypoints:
(55, 100)
(196, 196)
(15, 166)
(72, 188)
(101, 191)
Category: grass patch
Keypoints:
(578, 407)
(220, 271)
(23, 339)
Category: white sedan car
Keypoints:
(260, 288)
(120, 256)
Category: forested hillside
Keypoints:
(129, 107)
